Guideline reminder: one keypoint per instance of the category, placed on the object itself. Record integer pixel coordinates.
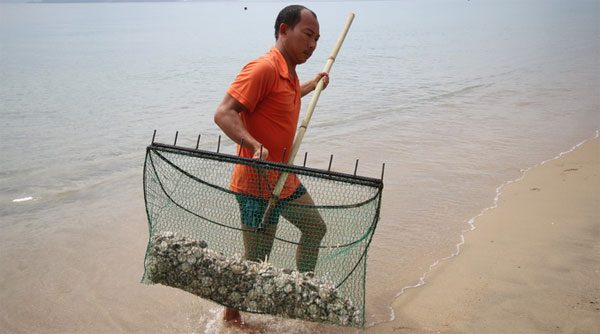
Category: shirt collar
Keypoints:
(281, 63)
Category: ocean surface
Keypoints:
(455, 97)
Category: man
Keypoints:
(260, 113)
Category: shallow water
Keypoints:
(456, 97)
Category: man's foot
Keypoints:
(232, 316)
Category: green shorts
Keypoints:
(252, 209)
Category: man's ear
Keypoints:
(283, 29)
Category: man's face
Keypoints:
(301, 41)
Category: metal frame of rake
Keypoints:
(267, 164)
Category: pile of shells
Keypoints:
(246, 285)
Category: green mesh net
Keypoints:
(303, 260)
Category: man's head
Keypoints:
(290, 15)
(297, 31)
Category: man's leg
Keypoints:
(313, 229)
(257, 246)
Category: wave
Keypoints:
(24, 199)
(456, 92)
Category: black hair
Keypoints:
(290, 15)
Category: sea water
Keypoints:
(455, 97)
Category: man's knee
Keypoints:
(317, 229)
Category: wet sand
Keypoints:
(531, 265)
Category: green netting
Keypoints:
(198, 242)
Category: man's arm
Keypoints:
(311, 85)
(228, 119)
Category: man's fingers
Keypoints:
(325, 77)
(261, 154)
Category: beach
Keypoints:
(531, 264)
(456, 98)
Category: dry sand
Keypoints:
(532, 264)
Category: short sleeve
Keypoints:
(253, 83)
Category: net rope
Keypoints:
(308, 263)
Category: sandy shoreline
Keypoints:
(532, 265)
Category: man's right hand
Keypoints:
(261, 153)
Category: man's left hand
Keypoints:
(325, 77)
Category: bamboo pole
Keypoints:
(302, 130)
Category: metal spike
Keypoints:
(382, 170)
(305, 155)
(198, 141)
(219, 144)
(175, 142)
(355, 167)
(241, 146)
(153, 136)
(330, 160)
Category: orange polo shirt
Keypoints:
(272, 100)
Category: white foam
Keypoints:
(213, 323)
(24, 199)
(471, 224)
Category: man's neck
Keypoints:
(291, 66)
